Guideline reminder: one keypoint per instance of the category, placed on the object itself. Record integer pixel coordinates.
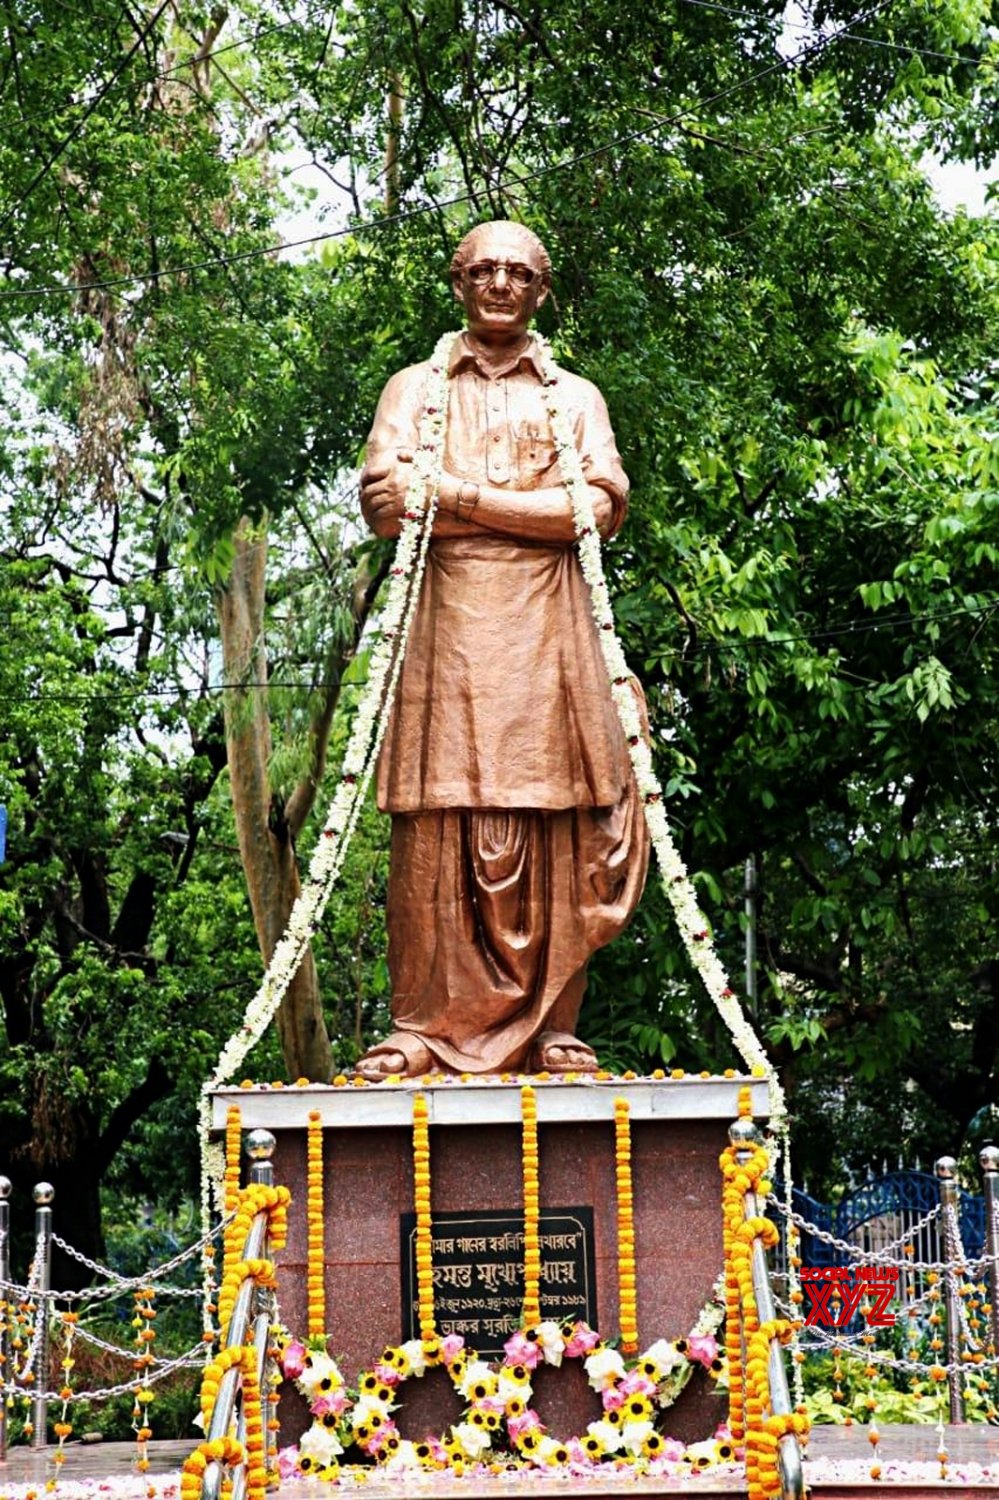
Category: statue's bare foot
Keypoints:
(561, 1052)
(400, 1055)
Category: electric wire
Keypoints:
(736, 646)
(77, 129)
(387, 221)
(144, 80)
(851, 36)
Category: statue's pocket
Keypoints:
(537, 456)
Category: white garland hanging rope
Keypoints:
(373, 711)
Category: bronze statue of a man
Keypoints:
(518, 841)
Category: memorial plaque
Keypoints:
(478, 1261)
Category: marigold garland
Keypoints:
(256, 1198)
(750, 1415)
(233, 1156)
(532, 1238)
(242, 1357)
(225, 1450)
(145, 1337)
(626, 1279)
(63, 1427)
(259, 1269)
(315, 1227)
(424, 1223)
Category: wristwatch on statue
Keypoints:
(468, 499)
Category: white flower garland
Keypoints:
(371, 720)
(366, 736)
(691, 921)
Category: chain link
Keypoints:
(881, 1256)
(119, 1285)
(852, 1343)
(193, 1358)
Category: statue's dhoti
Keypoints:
(493, 916)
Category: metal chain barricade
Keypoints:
(193, 1358)
(880, 1256)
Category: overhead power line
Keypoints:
(846, 35)
(387, 221)
(77, 130)
(250, 39)
(737, 645)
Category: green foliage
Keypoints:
(797, 347)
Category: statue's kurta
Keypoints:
(518, 843)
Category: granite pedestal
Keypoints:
(679, 1127)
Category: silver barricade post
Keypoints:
(260, 1149)
(43, 1194)
(944, 1170)
(743, 1134)
(6, 1307)
(246, 1303)
(989, 1159)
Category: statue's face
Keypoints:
(501, 285)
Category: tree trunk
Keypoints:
(265, 840)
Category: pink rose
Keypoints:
(702, 1347)
(288, 1462)
(451, 1347)
(522, 1351)
(293, 1357)
(673, 1450)
(388, 1374)
(581, 1341)
(378, 1439)
(613, 1398)
(529, 1422)
(636, 1384)
(333, 1404)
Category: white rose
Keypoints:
(403, 1459)
(474, 1372)
(550, 1342)
(413, 1350)
(474, 1440)
(367, 1407)
(611, 1437)
(319, 1367)
(634, 1434)
(320, 1444)
(665, 1356)
(603, 1367)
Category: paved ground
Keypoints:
(838, 1460)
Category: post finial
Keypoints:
(260, 1145)
(743, 1132)
(6, 1187)
(43, 1193)
(988, 1158)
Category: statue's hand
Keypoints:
(384, 482)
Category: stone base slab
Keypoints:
(679, 1129)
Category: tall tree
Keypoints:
(797, 346)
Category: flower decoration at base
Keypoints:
(373, 1428)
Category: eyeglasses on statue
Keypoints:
(482, 272)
